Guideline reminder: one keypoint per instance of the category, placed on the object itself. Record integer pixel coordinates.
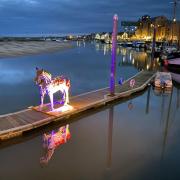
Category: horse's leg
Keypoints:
(67, 96)
(42, 99)
(63, 96)
(51, 100)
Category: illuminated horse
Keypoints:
(53, 140)
(50, 86)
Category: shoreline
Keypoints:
(23, 48)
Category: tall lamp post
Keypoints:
(175, 2)
(113, 60)
(154, 40)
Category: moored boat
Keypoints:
(175, 77)
(163, 80)
(173, 64)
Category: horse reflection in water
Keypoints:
(52, 141)
(49, 85)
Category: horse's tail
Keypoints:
(68, 83)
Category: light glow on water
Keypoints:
(111, 142)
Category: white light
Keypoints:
(133, 61)
(63, 108)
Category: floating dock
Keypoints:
(14, 124)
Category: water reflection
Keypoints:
(112, 143)
(81, 44)
(178, 99)
(168, 120)
(130, 56)
(52, 141)
(130, 105)
(167, 126)
(148, 99)
(14, 76)
(166, 116)
(110, 135)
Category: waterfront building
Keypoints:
(122, 36)
(166, 30)
(97, 36)
(144, 28)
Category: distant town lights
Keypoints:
(147, 66)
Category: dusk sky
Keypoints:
(73, 16)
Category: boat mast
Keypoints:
(175, 2)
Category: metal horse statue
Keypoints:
(50, 86)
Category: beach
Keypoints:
(20, 48)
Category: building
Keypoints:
(166, 30)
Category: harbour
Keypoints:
(89, 95)
(102, 121)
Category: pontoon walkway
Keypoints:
(14, 124)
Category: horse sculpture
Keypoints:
(50, 86)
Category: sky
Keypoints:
(74, 16)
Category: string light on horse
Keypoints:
(49, 86)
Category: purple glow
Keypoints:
(113, 60)
(52, 141)
(120, 81)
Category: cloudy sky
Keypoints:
(73, 16)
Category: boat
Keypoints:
(128, 44)
(160, 92)
(170, 49)
(168, 56)
(171, 61)
(173, 65)
(163, 80)
(139, 44)
(175, 77)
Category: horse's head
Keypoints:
(42, 77)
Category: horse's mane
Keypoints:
(46, 75)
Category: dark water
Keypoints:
(133, 139)
(87, 67)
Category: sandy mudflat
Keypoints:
(18, 48)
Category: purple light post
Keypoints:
(113, 61)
